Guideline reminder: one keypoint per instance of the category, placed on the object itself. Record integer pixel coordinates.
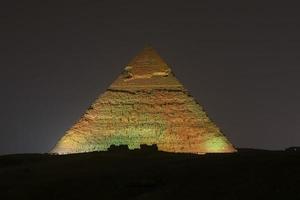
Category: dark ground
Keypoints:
(249, 174)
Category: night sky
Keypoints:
(240, 60)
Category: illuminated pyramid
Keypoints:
(145, 105)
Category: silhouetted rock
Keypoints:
(293, 149)
(118, 148)
(149, 148)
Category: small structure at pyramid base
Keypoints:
(146, 104)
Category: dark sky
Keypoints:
(239, 59)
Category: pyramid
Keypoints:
(146, 104)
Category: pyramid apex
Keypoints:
(147, 70)
(149, 48)
(148, 57)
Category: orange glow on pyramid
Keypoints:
(146, 104)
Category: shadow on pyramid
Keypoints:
(146, 104)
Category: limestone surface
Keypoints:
(145, 105)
